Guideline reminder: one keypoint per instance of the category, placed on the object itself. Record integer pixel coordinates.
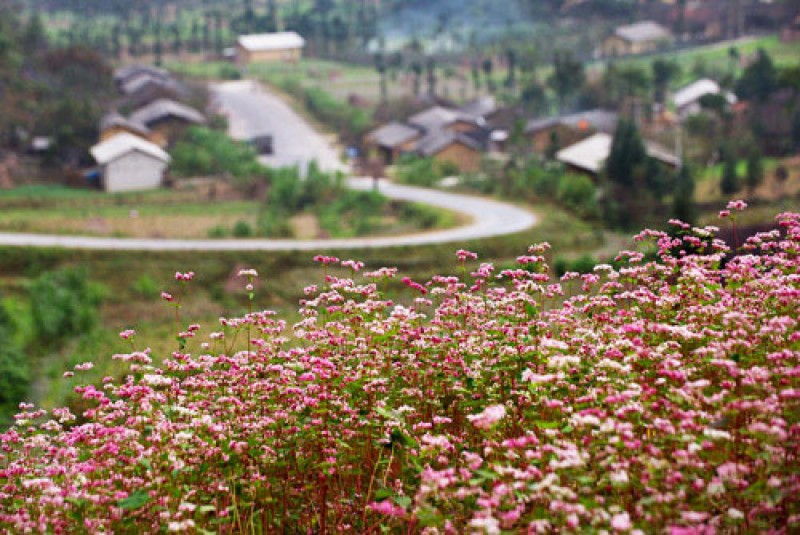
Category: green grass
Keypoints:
(716, 57)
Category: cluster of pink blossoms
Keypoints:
(652, 396)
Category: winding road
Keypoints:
(252, 110)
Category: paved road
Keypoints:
(252, 110)
(488, 218)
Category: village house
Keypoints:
(589, 155)
(130, 163)
(688, 99)
(441, 118)
(128, 73)
(457, 136)
(639, 38)
(113, 123)
(391, 141)
(143, 90)
(556, 132)
(167, 120)
(269, 47)
(456, 148)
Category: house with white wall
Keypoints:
(130, 163)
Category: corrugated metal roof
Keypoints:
(479, 108)
(646, 30)
(136, 84)
(591, 153)
(271, 41)
(393, 134)
(438, 140)
(115, 119)
(163, 108)
(600, 120)
(434, 118)
(122, 144)
(694, 91)
(124, 73)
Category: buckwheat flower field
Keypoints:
(658, 395)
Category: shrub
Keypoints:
(64, 303)
(242, 229)
(217, 231)
(660, 397)
(207, 152)
(229, 72)
(15, 373)
(418, 171)
(145, 286)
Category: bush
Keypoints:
(418, 171)
(217, 231)
(578, 192)
(229, 72)
(582, 264)
(145, 286)
(15, 373)
(242, 229)
(207, 152)
(64, 303)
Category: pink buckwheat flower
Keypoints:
(490, 416)
(463, 255)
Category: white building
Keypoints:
(269, 47)
(130, 163)
(687, 99)
(590, 155)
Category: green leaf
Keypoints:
(382, 494)
(402, 501)
(546, 425)
(136, 500)
(386, 413)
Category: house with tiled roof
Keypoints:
(561, 131)
(638, 38)
(167, 119)
(269, 47)
(589, 155)
(130, 163)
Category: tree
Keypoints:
(553, 146)
(380, 66)
(534, 97)
(683, 200)
(488, 66)
(177, 43)
(476, 75)
(511, 59)
(730, 178)
(733, 59)
(755, 170)
(431, 77)
(568, 76)
(627, 154)
(416, 69)
(34, 37)
(663, 73)
(759, 80)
